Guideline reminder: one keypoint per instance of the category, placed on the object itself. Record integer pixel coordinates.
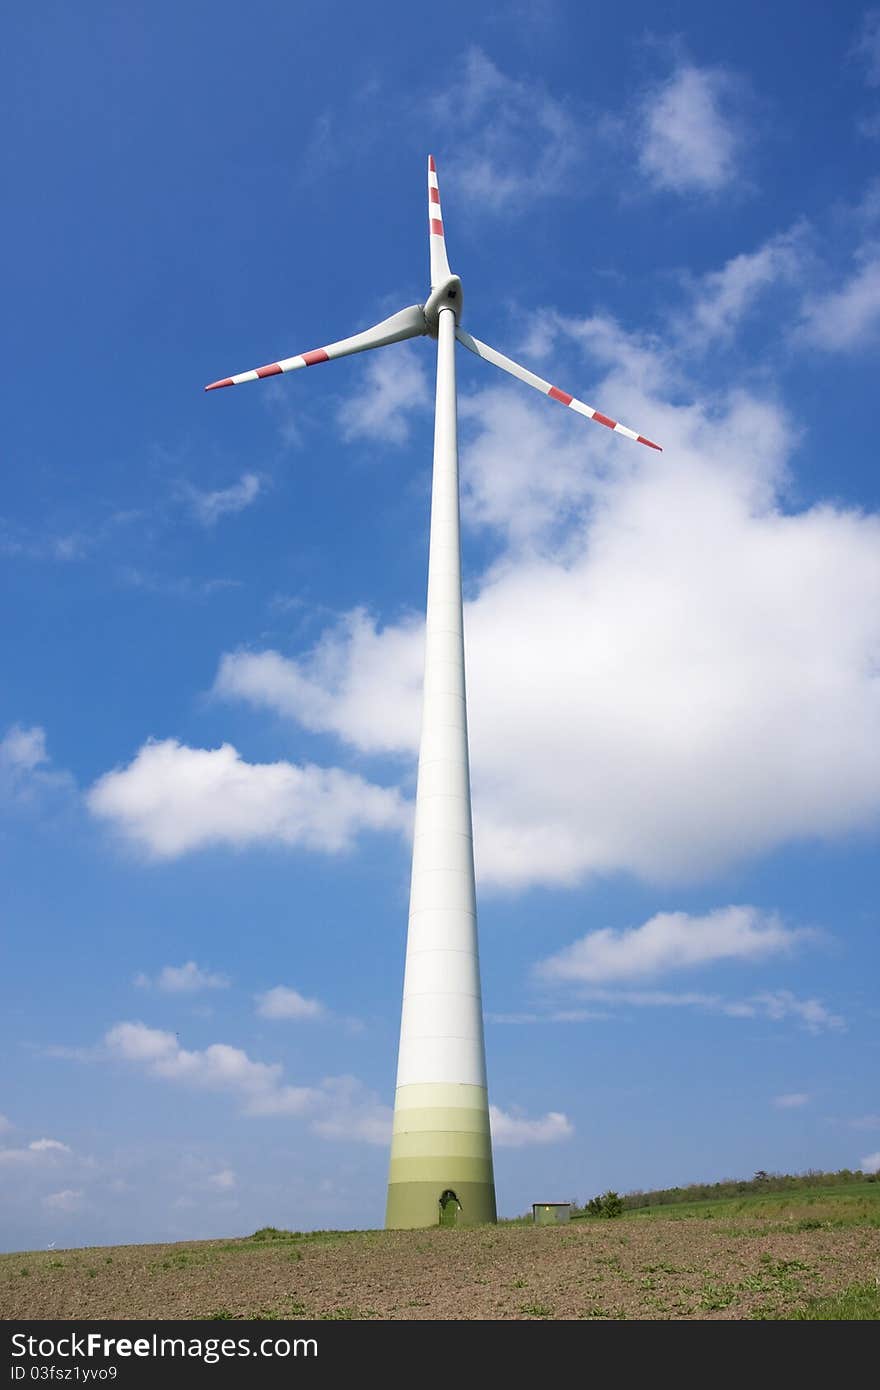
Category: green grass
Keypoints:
(858, 1303)
(855, 1204)
(348, 1314)
(266, 1242)
(761, 1185)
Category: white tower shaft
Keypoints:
(441, 1155)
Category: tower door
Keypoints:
(450, 1206)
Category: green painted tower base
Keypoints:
(441, 1158)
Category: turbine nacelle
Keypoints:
(447, 295)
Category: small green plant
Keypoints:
(778, 1268)
(348, 1314)
(717, 1296)
(537, 1310)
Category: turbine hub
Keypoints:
(448, 295)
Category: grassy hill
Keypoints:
(805, 1252)
(761, 1185)
(802, 1209)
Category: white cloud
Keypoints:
(509, 141)
(337, 1107)
(217, 1067)
(672, 941)
(513, 1131)
(183, 979)
(642, 357)
(576, 1015)
(209, 507)
(552, 1016)
(662, 999)
(869, 126)
(722, 298)
(172, 799)
(282, 1002)
(26, 774)
(811, 1013)
(223, 1181)
(36, 1151)
(867, 47)
(352, 1112)
(18, 540)
(866, 1122)
(776, 1005)
(525, 502)
(24, 748)
(174, 587)
(690, 139)
(359, 678)
(69, 1200)
(5, 1124)
(849, 317)
(514, 1018)
(700, 683)
(871, 1163)
(394, 384)
(792, 1101)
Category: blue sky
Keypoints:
(211, 698)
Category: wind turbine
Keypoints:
(441, 1149)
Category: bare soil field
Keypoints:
(730, 1263)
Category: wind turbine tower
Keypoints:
(441, 1147)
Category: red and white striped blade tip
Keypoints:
(565, 399)
(227, 381)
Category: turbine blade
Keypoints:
(482, 350)
(408, 323)
(440, 271)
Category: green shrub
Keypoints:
(609, 1204)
